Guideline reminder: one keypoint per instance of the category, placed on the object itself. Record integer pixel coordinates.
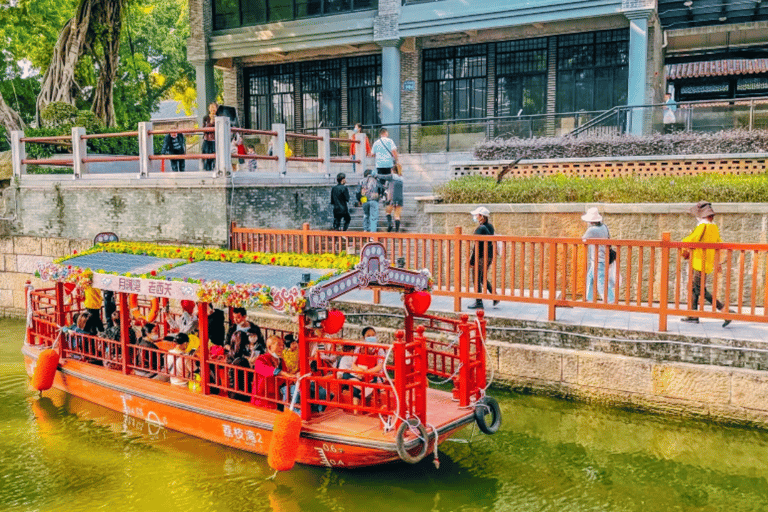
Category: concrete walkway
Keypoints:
(708, 328)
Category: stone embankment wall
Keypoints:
(20, 256)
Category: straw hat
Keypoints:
(592, 215)
(702, 210)
(481, 210)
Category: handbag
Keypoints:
(686, 254)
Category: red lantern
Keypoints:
(417, 303)
(334, 322)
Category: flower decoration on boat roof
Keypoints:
(251, 295)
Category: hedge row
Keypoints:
(681, 143)
(565, 189)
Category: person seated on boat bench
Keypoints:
(73, 331)
(216, 329)
(149, 361)
(113, 333)
(266, 368)
(179, 367)
(256, 345)
(241, 323)
(237, 355)
(348, 370)
(186, 322)
(371, 359)
(291, 353)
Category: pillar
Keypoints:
(390, 87)
(206, 87)
(638, 63)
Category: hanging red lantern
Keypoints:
(417, 303)
(334, 322)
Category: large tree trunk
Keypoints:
(106, 28)
(59, 79)
(9, 119)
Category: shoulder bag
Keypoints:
(686, 254)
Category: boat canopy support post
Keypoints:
(401, 376)
(480, 377)
(422, 362)
(61, 316)
(202, 327)
(306, 411)
(125, 325)
(464, 340)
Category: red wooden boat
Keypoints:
(370, 421)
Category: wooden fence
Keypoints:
(649, 276)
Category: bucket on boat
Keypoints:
(45, 369)
(284, 446)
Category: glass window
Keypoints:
(270, 96)
(364, 82)
(321, 93)
(592, 70)
(521, 77)
(238, 13)
(455, 82)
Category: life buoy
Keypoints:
(483, 407)
(400, 442)
(154, 306)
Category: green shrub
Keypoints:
(36, 169)
(58, 114)
(566, 189)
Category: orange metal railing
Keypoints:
(648, 276)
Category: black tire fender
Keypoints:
(400, 440)
(484, 406)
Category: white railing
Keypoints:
(80, 160)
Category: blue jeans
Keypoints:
(321, 395)
(600, 281)
(370, 216)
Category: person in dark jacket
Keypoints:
(339, 200)
(174, 144)
(482, 254)
(216, 329)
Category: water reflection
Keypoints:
(59, 452)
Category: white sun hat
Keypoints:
(592, 215)
(481, 210)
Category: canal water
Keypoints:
(60, 453)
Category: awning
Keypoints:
(725, 67)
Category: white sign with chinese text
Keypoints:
(152, 287)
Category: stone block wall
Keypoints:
(19, 256)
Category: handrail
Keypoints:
(594, 121)
(554, 271)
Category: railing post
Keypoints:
(146, 149)
(202, 327)
(421, 360)
(400, 374)
(304, 387)
(79, 152)
(465, 363)
(457, 254)
(61, 318)
(751, 114)
(664, 284)
(324, 151)
(223, 133)
(480, 350)
(360, 152)
(125, 326)
(552, 304)
(409, 138)
(447, 137)
(305, 238)
(18, 153)
(278, 148)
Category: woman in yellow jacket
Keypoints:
(93, 302)
(703, 260)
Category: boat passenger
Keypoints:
(216, 327)
(291, 353)
(179, 368)
(256, 345)
(266, 368)
(348, 370)
(185, 323)
(148, 361)
(241, 323)
(371, 358)
(93, 303)
(79, 321)
(113, 333)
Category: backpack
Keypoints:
(369, 188)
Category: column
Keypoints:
(206, 87)
(390, 87)
(638, 63)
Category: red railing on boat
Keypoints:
(396, 393)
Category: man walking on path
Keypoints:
(368, 195)
(385, 152)
(482, 254)
(340, 200)
(174, 144)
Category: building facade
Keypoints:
(333, 63)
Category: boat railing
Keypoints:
(90, 348)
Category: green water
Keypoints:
(61, 453)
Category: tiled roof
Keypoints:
(724, 67)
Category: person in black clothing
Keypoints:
(339, 200)
(482, 254)
(241, 323)
(209, 138)
(174, 144)
(216, 326)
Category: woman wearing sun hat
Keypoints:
(482, 254)
(598, 230)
